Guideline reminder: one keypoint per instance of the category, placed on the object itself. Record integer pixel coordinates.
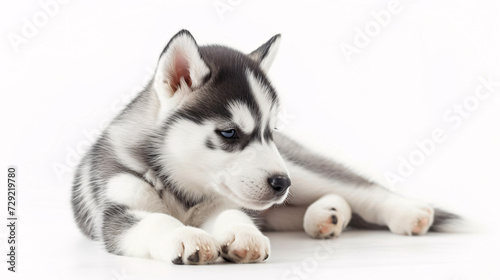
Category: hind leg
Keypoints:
(314, 176)
(325, 218)
(376, 206)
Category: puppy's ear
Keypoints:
(266, 53)
(180, 67)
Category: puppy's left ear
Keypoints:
(266, 53)
(180, 68)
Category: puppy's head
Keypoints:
(218, 112)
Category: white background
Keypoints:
(73, 72)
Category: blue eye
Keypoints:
(230, 133)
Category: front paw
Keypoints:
(194, 246)
(244, 244)
(323, 222)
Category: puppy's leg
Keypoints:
(374, 205)
(314, 176)
(131, 228)
(240, 240)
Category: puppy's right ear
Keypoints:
(180, 68)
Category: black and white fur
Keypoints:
(162, 181)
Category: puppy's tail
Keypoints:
(445, 221)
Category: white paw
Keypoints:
(324, 222)
(244, 244)
(411, 218)
(327, 217)
(194, 246)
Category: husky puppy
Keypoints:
(186, 170)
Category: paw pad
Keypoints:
(334, 220)
(419, 225)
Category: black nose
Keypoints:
(279, 183)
